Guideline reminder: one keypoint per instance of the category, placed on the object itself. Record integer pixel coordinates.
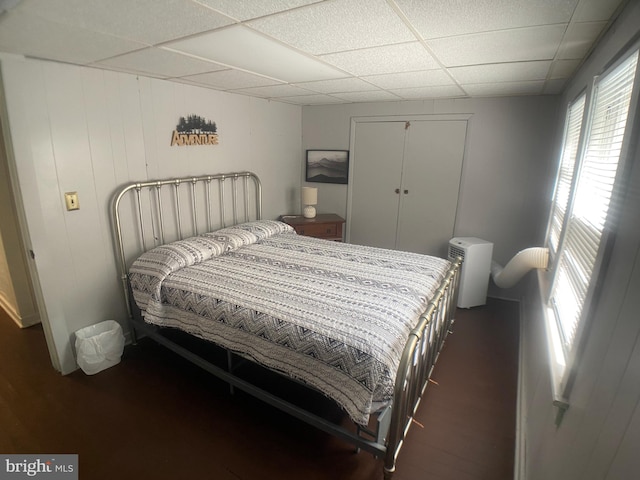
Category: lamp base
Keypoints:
(309, 212)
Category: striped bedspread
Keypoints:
(332, 315)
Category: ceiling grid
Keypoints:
(311, 52)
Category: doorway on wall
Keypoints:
(18, 280)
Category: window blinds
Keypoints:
(588, 211)
(565, 172)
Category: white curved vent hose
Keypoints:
(524, 261)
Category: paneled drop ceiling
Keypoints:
(311, 52)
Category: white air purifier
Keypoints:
(476, 267)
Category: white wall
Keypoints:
(504, 191)
(90, 131)
(599, 437)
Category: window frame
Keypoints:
(564, 364)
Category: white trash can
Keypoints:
(99, 346)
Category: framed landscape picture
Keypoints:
(328, 166)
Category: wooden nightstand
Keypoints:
(324, 225)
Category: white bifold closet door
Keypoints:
(405, 183)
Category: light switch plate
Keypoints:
(71, 199)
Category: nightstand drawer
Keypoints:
(318, 229)
(323, 225)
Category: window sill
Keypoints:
(557, 361)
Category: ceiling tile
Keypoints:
(337, 26)
(425, 78)
(160, 62)
(241, 47)
(435, 18)
(579, 38)
(362, 50)
(501, 72)
(339, 85)
(373, 96)
(147, 21)
(254, 9)
(274, 91)
(405, 57)
(522, 44)
(312, 100)
(437, 91)
(563, 68)
(503, 89)
(36, 37)
(595, 10)
(230, 79)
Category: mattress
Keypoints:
(332, 315)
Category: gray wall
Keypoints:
(599, 437)
(505, 188)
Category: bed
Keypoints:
(361, 325)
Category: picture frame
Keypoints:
(327, 166)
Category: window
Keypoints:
(565, 172)
(588, 174)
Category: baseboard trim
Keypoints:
(11, 311)
(22, 322)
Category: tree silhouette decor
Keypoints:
(194, 130)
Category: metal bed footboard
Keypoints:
(166, 210)
(418, 359)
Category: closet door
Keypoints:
(431, 174)
(376, 174)
(405, 183)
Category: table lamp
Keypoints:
(309, 199)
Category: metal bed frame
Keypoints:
(172, 209)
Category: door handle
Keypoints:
(397, 190)
(406, 192)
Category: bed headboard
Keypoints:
(148, 214)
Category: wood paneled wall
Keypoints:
(90, 131)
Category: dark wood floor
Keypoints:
(154, 416)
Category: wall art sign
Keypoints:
(194, 130)
(327, 166)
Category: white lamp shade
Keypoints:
(309, 196)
